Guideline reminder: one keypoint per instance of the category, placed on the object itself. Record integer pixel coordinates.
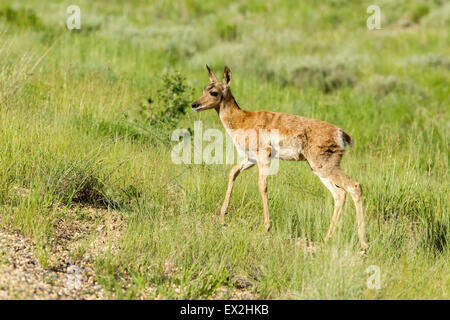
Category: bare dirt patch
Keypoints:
(81, 234)
(22, 277)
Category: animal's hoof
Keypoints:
(363, 252)
(267, 226)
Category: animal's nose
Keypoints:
(194, 105)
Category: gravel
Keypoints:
(22, 277)
(65, 277)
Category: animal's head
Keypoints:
(213, 93)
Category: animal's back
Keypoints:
(310, 132)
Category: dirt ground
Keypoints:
(68, 275)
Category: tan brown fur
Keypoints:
(320, 143)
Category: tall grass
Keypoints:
(88, 122)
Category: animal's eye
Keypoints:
(214, 93)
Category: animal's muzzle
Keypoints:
(196, 106)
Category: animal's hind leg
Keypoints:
(339, 200)
(340, 179)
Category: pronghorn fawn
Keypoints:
(319, 143)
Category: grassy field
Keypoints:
(86, 118)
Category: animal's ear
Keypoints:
(212, 76)
(226, 76)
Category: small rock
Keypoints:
(241, 282)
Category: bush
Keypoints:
(25, 18)
(428, 60)
(381, 86)
(325, 77)
(174, 98)
(28, 19)
(327, 73)
(439, 17)
(419, 11)
(227, 31)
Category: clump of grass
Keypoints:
(381, 86)
(327, 78)
(327, 74)
(179, 43)
(226, 31)
(88, 181)
(414, 15)
(78, 181)
(438, 18)
(172, 243)
(24, 18)
(404, 202)
(15, 74)
(428, 60)
(419, 11)
(436, 235)
(7, 177)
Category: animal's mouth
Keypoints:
(198, 109)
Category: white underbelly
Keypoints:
(282, 147)
(288, 153)
(277, 152)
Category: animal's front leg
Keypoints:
(244, 165)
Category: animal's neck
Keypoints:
(229, 111)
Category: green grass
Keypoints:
(76, 127)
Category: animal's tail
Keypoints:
(347, 139)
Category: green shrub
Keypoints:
(227, 31)
(325, 77)
(25, 18)
(419, 11)
(428, 60)
(173, 99)
(439, 17)
(381, 86)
